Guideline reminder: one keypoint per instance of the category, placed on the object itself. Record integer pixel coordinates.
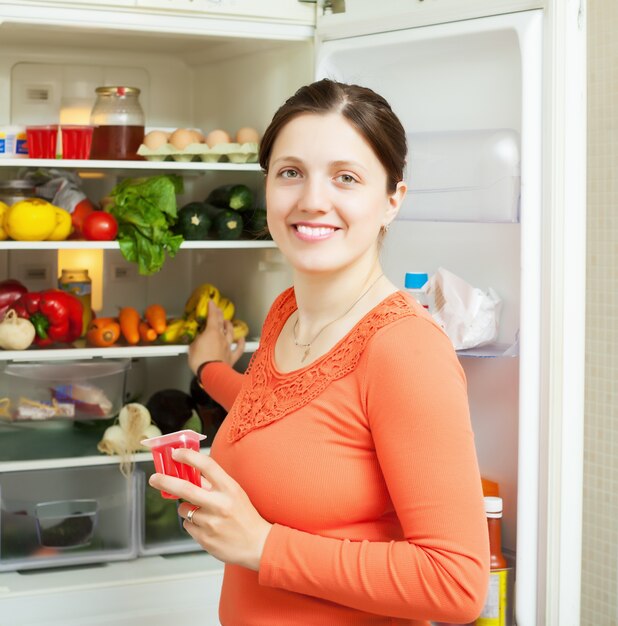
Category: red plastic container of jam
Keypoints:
(162, 447)
(42, 141)
(76, 142)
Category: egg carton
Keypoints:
(231, 152)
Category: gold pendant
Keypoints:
(306, 354)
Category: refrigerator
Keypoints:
(492, 97)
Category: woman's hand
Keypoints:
(214, 343)
(226, 524)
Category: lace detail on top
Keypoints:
(268, 395)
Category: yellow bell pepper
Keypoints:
(63, 227)
(30, 220)
(3, 209)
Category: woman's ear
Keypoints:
(394, 201)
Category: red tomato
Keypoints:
(81, 211)
(100, 226)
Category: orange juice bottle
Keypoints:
(495, 611)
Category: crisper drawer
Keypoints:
(160, 529)
(68, 516)
(80, 390)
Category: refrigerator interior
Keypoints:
(50, 74)
(471, 77)
(466, 76)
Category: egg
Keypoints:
(247, 135)
(183, 137)
(217, 136)
(155, 139)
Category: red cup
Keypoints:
(162, 447)
(42, 141)
(76, 142)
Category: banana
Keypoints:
(207, 292)
(227, 307)
(196, 299)
(189, 331)
(240, 329)
(172, 333)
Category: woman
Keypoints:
(343, 486)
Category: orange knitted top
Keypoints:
(364, 461)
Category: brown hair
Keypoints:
(366, 110)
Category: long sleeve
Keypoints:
(222, 383)
(416, 405)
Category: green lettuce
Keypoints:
(146, 211)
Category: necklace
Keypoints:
(307, 346)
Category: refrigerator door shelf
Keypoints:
(465, 176)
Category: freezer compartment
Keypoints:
(160, 529)
(72, 390)
(69, 516)
(466, 176)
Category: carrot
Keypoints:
(129, 319)
(103, 332)
(155, 315)
(146, 333)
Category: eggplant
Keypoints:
(170, 409)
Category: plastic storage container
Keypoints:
(73, 390)
(69, 516)
(466, 176)
(160, 529)
(42, 141)
(13, 142)
(76, 142)
(12, 191)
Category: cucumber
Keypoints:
(238, 197)
(227, 224)
(193, 221)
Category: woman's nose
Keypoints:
(314, 196)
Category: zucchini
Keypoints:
(193, 221)
(227, 224)
(237, 197)
(256, 224)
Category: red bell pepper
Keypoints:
(56, 315)
(10, 290)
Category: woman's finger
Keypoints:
(206, 465)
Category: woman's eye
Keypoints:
(346, 179)
(289, 174)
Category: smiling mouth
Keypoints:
(314, 232)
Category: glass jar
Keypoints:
(12, 191)
(77, 282)
(118, 121)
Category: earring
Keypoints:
(385, 228)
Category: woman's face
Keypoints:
(326, 194)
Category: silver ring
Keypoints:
(191, 513)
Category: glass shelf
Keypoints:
(491, 351)
(76, 353)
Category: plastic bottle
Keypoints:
(414, 283)
(495, 611)
(78, 283)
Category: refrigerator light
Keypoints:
(89, 259)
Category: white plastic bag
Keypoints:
(467, 315)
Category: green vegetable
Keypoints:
(237, 197)
(256, 224)
(145, 209)
(193, 221)
(227, 225)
